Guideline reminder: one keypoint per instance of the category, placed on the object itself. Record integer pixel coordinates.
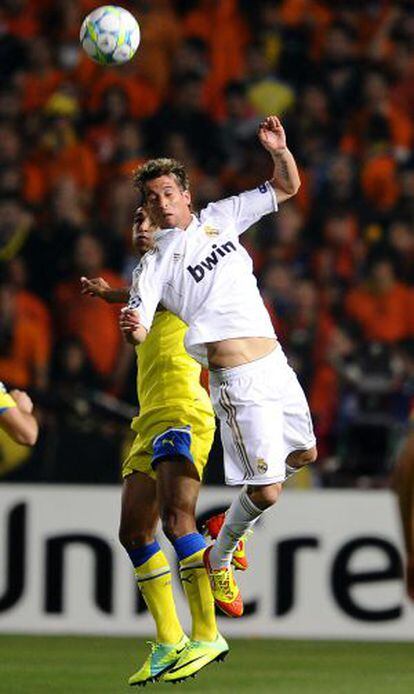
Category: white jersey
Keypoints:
(205, 276)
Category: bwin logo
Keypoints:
(197, 272)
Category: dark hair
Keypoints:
(154, 168)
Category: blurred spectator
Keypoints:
(128, 153)
(142, 97)
(48, 248)
(340, 256)
(192, 51)
(72, 370)
(308, 329)
(329, 385)
(29, 306)
(187, 117)
(277, 283)
(339, 66)
(102, 134)
(24, 344)
(265, 92)
(239, 124)
(87, 443)
(404, 205)
(381, 305)
(160, 37)
(15, 227)
(17, 176)
(95, 323)
(41, 78)
(401, 241)
(61, 153)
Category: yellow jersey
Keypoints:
(6, 401)
(168, 379)
(170, 396)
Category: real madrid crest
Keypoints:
(261, 465)
(210, 231)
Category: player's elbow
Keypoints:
(293, 188)
(27, 436)
(296, 186)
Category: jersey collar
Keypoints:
(161, 233)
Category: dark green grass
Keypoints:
(69, 665)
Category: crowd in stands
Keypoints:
(335, 265)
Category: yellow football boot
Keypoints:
(195, 657)
(161, 659)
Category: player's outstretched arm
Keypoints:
(285, 180)
(19, 422)
(99, 287)
(131, 328)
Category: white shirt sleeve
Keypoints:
(245, 209)
(145, 293)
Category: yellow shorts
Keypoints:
(141, 454)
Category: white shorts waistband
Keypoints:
(217, 376)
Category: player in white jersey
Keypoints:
(199, 271)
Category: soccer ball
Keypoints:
(110, 35)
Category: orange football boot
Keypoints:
(225, 590)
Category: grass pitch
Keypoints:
(69, 665)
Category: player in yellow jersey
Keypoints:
(162, 476)
(16, 417)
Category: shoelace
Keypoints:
(221, 580)
(192, 645)
(153, 645)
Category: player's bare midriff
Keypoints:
(226, 354)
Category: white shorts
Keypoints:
(263, 416)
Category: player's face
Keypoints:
(142, 232)
(167, 203)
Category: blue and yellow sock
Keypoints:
(153, 576)
(190, 549)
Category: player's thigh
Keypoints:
(178, 485)
(251, 427)
(298, 435)
(139, 509)
(180, 454)
(201, 443)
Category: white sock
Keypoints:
(241, 516)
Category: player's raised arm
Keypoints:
(99, 287)
(285, 180)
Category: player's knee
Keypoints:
(301, 458)
(131, 538)
(264, 496)
(177, 522)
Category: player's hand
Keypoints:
(95, 287)
(272, 135)
(130, 325)
(129, 320)
(22, 400)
